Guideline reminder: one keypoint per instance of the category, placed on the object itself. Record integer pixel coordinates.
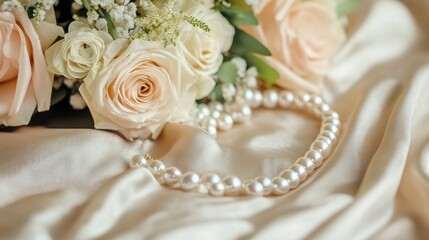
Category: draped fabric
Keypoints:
(74, 183)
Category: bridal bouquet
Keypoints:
(138, 64)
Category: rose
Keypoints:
(24, 79)
(203, 50)
(303, 37)
(139, 88)
(79, 51)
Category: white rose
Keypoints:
(203, 50)
(139, 89)
(79, 51)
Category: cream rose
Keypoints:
(24, 79)
(79, 51)
(139, 89)
(303, 37)
(203, 50)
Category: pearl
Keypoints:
(266, 183)
(332, 128)
(245, 96)
(172, 175)
(322, 147)
(208, 121)
(215, 114)
(156, 167)
(210, 178)
(257, 99)
(328, 134)
(330, 120)
(301, 170)
(189, 181)
(216, 106)
(232, 185)
(280, 186)
(211, 130)
(254, 188)
(138, 161)
(270, 98)
(316, 100)
(216, 189)
(225, 122)
(327, 140)
(330, 114)
(324, 107)
(286, 99)
(243, 114)
(307, 163)
(315, 156)
(292, 177)
(200, 116)
(304, 98)
(204, 109)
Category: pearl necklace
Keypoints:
(222, 117)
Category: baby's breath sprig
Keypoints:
(162, 23)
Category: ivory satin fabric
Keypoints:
(58, 183)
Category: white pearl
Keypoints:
(280, 186)
(324, 107)
(322, 147)
(232, 185)
(304, 98)
(200, 116)
(243, 114)
(172, 175)
(215, 114)
(286, 99)
(204, 109)
(253, 188)
(189, 181)
(208, 121)
(307, 163)
(332, 128)
(292, 177)
(216, 189)
(301, 170)
(257, 99)
(328, 134)
(156, 167)
(330, 120)
(266, 183)
(244, 96)
(216, 106)
(315, 156)
(316, 100)
(225, 122)
(327, 140)
(210, 178)
(270, 99)
(211, 130)
(138, 161)
(330, 114)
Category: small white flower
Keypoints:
(77, 102)
(241, 66)
(92, 16)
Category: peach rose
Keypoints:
(24, 79)
(139, 89)
(303, 37)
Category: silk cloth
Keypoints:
(64, 183)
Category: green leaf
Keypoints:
(217, 94)
(86, 4)
(110, 25)
(241, 4)
(266, 72)
(345, 7)
(228, 73)
(244, 43)
(238, 18)
(58, 95)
